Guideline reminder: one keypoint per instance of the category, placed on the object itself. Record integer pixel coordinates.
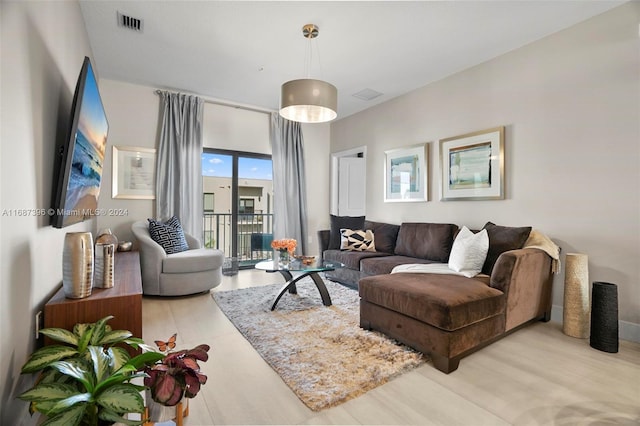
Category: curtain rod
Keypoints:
(228, 104)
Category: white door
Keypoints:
(351, 186)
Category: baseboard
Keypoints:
(626, 330)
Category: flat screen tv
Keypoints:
(81, 155)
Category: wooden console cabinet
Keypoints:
(123, 301)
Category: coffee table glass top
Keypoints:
(296, 265)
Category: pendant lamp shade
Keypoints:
(309, 101)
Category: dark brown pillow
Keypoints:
(430, 241)
(340, 222)
(385, 233)
(501, 239)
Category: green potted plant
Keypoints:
(174, 377)
(87, 381)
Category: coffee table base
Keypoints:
(290, 286)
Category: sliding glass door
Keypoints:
(238, 204)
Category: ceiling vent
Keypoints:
(130, 22)
(367, 94)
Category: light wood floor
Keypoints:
(536, 376)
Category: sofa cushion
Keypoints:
(169, 235)
(448, 302)
(188, 261)
(384, 265)
(501, 239)
(385, 234)
(469, 252)
(357, 240)
(351, 259)
(431, 241)
(343, 222)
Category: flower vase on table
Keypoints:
(285, 248)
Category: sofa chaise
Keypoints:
(446, 316)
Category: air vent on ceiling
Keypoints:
(130, 22)
(367, 94)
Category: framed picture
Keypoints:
(134, 172)
(472, 166)
(405, 174)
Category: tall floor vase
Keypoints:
(77, 265)
(575, 314)
(604, 317)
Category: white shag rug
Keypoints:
(320, 351)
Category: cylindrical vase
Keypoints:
(104, 255)
(575, 314)
(604, 317)
(77, 265)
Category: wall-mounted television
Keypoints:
(81, 155)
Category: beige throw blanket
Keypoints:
(540, 241)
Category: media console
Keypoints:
(123, 301)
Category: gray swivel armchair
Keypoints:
(193, 271)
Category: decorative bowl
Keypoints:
(306, 260)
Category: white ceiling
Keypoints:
(242, 52)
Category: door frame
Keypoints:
(361, 152)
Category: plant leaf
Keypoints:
(48, 392)
(61, 335)
(99, 330)
(115, 336)
(78, 370)
(43, 357)
(146, 358)
(101, 362)
(80, 328)
(84, 339)
(122, 398)
(65, 404)
(119, 357)
(71, 417)
(199, 352)
(112, 416)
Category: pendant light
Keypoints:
(307, 100)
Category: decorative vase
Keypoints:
(158, 413)
(77, 265)
(283, 259)
(604, 317)
(105, 236)
(575, 314)
(104, 260)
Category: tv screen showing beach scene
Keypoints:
(82, 172)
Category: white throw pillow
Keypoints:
(469, 252)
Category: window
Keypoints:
(247, 206)
(208, 202)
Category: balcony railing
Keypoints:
(255, 232)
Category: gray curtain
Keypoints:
(289, 181)
(179, 163)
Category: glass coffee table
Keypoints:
(301, 272)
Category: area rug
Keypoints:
(320, 352)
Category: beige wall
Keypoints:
(570, 104)
(43, 45)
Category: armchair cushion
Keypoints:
(188, 261)
(169, 235)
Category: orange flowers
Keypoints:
(285, 244)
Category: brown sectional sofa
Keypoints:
(445, 316)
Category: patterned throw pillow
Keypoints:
(169, 235)
(357, 240)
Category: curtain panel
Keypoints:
(179, 164)
(289, 181)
